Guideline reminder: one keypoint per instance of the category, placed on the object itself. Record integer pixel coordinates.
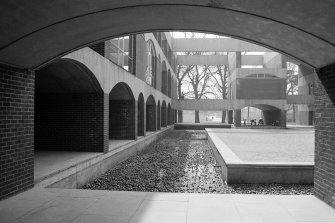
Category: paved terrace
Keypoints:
(69, 205)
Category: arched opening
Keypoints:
(169, 114)
(68, 116)
(151, 114)
(150, 76)
(69, 104)
(164, 78)
(121, 112)
(263, 115)
(163, 115)
(158, 115)
(140, 115)
(169, 84)
(292, 34)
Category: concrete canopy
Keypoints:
(35, 32)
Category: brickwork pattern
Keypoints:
(324, 172)
(16, 130)
(158, 117)
(71, 122)
(140, 118)
(151, 117)
(163, 117)
(122, 119)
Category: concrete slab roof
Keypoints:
(35, 32)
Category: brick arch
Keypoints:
(163, 114)
(69, 105)
(151, 113)
(121, 112)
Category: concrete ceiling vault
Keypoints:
(35, 32)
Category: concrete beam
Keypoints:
(213, 60)
(215, 45)
(220, 104)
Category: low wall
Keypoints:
(236, 171)
(81, 173)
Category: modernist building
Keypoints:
(42, 70)
(256, 77)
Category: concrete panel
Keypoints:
(251, 88)
(220, 104)
(214, 60)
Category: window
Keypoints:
(121, 51)
(150, 75)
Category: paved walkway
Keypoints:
(73, 205)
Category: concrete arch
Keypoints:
(122, 112)
(140, 115)
(163, 114)
(271, 115)
(151, 114)
(267, 75)
(68, 100)
(66, 76)
(275, 28)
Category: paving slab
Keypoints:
(72, 205)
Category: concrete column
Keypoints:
(158, 112)
(136, 120)
(237, 117)
(230, 116)
(283, 118)
(180, 116)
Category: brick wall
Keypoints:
(72, 122)
(122, 119)
(324, 175)
(163, 117)
(16, 130)
(151, 117)
(140, 118)
(158, 117)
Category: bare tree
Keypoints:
(292, 84)
(198, 80)
(220, 84)
(181, 73)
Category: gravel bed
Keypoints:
(181, 161)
